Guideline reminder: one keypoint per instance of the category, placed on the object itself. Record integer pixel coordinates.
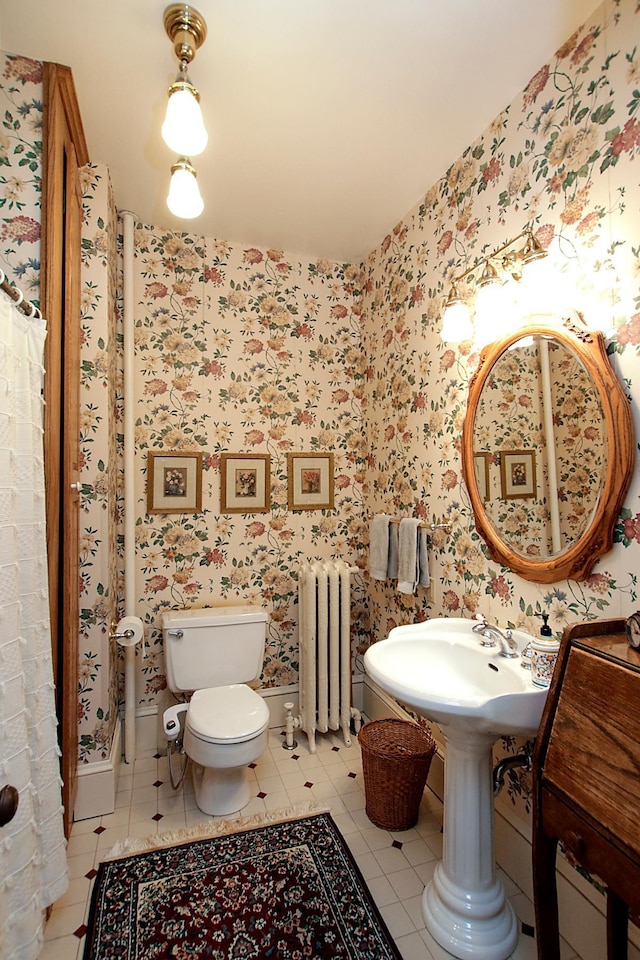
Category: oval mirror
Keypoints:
(547, 450)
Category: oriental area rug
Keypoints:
(284, 890)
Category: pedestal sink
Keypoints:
(475, 695)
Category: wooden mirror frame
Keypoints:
(577, 562)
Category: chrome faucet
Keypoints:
(493, 634)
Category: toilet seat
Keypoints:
(231, 714)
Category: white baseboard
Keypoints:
(98, 783)
(581, 906)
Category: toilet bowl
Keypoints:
(225, 730)
(225, 723)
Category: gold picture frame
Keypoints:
(310, 481)
(245, 482)
(518, 474)
(174, 482)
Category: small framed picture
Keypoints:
(310, 481)
(245, 482)
(481, 464)
(174, 482)
(518, 474)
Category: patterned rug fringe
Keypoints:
(216, 828)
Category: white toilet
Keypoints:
(215, 652)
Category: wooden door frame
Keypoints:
(64, 151)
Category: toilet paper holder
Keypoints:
(128, 632)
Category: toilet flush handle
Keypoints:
(178, 634)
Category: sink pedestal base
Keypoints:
(464, 906)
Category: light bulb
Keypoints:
(494, 313)
(456, 323)
(183, 129)
(184, 198)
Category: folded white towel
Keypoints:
(423, 557)
(392, 568)
(379, 547)
(408, 555)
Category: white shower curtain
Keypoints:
(33, 868)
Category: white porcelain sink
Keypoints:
(440, 670)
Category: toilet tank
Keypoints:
(214, 646)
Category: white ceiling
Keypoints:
(328, 119)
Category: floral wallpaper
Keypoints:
(21, 172)
(509, 426)
(244, 350)
(578, 442)
(21, 94)
(99, 466)
(241, 349)
(561, 158)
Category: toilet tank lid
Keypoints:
(212, 616)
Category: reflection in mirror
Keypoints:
(547, 450)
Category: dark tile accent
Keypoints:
(261, 795)
(528, 930)
(80, 932)
(99, 830)
(307, 784)
(158, 783)
(157, 816)
(92, 873)
(352, 775)
(397, 844)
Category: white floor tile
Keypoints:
(396, 872)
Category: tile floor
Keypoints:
(396, 866)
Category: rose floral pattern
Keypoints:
(99, 463)
(561, 158)
(21, 172)
(242, 349)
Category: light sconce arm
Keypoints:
(456, 322)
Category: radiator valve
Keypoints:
(291, 723)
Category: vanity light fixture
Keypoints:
(496, 295)
(183, 129)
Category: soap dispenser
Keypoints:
(544, 653)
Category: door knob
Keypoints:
(8, 804)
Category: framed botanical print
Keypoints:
(174, 482)
(245, 482)
(518, 474)
(310, 481)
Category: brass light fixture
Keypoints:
(493, 301)
(183, 129)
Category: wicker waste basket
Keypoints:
(396, 756)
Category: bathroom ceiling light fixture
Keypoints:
(184, 198)
(183, 129)
(505, 263)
